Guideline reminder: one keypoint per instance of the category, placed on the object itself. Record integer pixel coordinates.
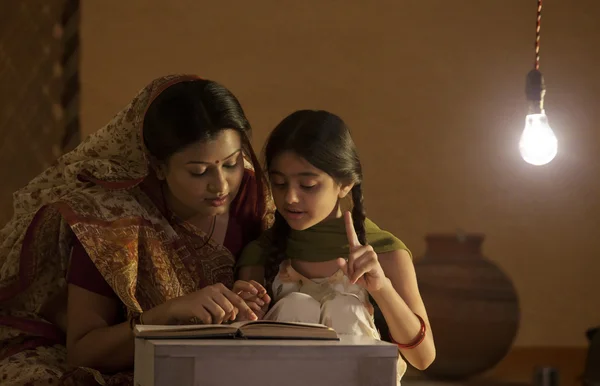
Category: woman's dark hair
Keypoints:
(322, 139)
(198, 110)
(188, 112)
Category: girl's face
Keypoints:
(303, 194)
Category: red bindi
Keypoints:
(217, 162)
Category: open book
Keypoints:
(260, 329)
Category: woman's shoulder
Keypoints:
(98, 203)
(381, 240)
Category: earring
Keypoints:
(159, 171)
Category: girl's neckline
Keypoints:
(327, 224)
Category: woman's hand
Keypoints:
(362, 266)
(213, 304)
(257, 301)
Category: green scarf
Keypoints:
(322, 242)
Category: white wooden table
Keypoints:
(352, 361)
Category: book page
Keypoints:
(183, 327)
(183, 331)
(260, 328)
(274, 324)
(267, 329)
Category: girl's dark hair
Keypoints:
(198, 110)
(322, 139)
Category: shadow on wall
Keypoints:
(434, 94)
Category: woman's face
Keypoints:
(204, 178)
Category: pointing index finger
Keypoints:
(350, 231)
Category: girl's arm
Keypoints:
(391, 280)
(399, 300)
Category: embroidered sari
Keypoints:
(103, 195)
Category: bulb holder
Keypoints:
(535, 90)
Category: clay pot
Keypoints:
(472, 305)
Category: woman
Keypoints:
(141, 223)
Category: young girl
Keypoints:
(323, 264)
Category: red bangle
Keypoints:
(418, 339)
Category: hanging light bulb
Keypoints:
(538, 144)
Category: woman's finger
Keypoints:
(240, 304)
(202, 314)
(219, 307)
(224, 302)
